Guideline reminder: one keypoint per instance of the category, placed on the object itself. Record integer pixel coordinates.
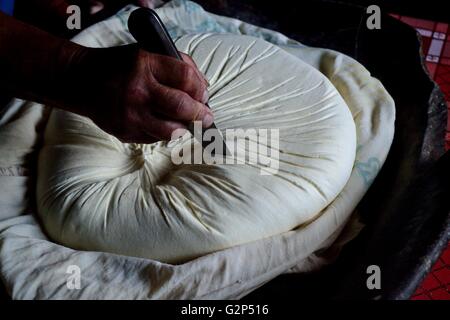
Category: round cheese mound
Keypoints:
(97, 193)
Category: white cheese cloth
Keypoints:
(96, 193)
(34, 267)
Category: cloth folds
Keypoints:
(33, 267)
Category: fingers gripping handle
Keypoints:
(152, 36)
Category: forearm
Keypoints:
(32, 62)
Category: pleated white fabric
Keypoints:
(32, 266)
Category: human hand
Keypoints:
(134, 95)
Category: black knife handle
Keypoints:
(151, 34)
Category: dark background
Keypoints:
(437, 10)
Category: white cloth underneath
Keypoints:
(96, 193)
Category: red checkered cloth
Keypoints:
(436, 48)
